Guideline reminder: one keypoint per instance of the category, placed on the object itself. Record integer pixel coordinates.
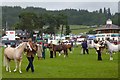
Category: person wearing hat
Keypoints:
(30, 55)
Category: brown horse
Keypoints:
(59, 48)
(69, 46)
(37, 50)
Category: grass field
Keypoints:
(75, 66)
(77, 29)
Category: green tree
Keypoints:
(100, 11)
(68, 31)
(27, 21)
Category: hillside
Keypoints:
(74, 17)
(77, 29)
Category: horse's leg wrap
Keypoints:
(111, 58)
(9, 69)
(9, 66)
(20, 67)
(59, 54)
(6, 68)
(16, 66)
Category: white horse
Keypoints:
(14, 54)
(90, 43)
(112, 48)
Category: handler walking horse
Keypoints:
(14, 54)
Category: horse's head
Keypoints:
(25, 46)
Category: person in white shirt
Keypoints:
(97, 47)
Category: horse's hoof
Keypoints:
(111, 59)
(20, 72)
(59, 54)
(10, 71)
(71, 52)
(15, 70)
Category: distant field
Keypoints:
(75, 66)
(76, 29)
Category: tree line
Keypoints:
(51, 21)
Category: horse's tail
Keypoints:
(5, 61)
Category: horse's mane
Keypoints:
(19, 46)
(110, 44)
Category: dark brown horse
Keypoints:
(60, 48)
(37, 50)
(69, 46)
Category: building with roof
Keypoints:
(108, 31)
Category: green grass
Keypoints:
(76, 29)
(78, 26)
(75, 66)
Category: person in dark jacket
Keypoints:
(51, 49)
(30, 55)
(43, 53)
(85, 47)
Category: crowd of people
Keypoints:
(31, 51)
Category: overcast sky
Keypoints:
(90, 5)
(59, 0)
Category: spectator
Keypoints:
(85, 47)
(43, 53)
(51, 49)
